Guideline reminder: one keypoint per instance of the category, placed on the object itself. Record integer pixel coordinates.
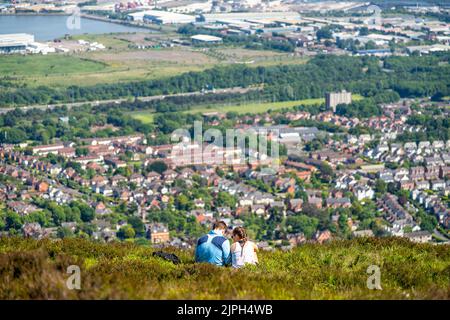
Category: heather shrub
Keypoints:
(32, 269)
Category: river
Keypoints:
(49, 27)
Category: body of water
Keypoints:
(49, 27)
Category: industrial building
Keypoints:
(246, 16)
(161, 17)
(205, 39)
(22, 43)
(15, 43)
(428, 49)
(374, 52)
(332, 99)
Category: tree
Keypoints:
(328, 43)
(380, 186)
(58, 214)
(364, 31)
(224, 199)
(157, 166)
(402, 199)
(326, 172)
(302, 223)
(87, 228)
(313, 145)
(12, 135)
(87, 213)
(310, 210)
(81, 152)
(392, 187)
(43, 217)
(137, 225)
(64, 232)
(370, 45)
(324, 33)
(74, 214)
(343, 225)
(427, 221)
(182, 202)
(126, 232)
(13, 221)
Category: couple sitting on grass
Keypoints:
(215, 248)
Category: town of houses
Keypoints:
(358, 162)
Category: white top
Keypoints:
(242, 255)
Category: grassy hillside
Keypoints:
(37, 270)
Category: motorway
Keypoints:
(117, 101)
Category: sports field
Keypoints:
(147, 116)
(242, 108)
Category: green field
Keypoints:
(32, 269)
(48, 65)
(120, 63)
(143, 116)
(242, 108)
(255, 107)
(57, 70)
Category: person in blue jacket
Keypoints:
(213, 247)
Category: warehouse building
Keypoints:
(161, 17)
(248, 16)
(15, 43)
(205, 39)
(22, 43)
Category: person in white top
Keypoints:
(243, 251)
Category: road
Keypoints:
(150, 98)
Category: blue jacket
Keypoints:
(213, 248)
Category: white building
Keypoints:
(37, 47)
(204, 38)
(22, 43)
(364, 192)
(161, 17)
(332, 99)
(15, 42)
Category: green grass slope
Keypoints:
(38, 270)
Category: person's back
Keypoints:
(213, 247)
(243, 254)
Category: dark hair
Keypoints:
(220, 225)
(242, 234)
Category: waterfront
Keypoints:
(49, 27)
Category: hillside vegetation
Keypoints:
(32, 269)
(408, 77)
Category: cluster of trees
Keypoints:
(367, 107)
(363, 108)
(49, 215)
(87, 3)
(44, 125)
(437, 128)
(408, 76)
